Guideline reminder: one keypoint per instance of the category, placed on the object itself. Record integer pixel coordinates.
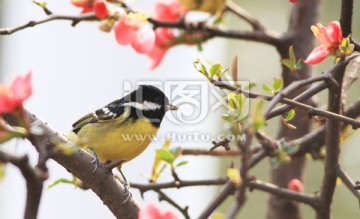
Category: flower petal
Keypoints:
(21, 87)
(144, 39)
(333, 31)
(168, 10)
(156, 55)
(101, 10)
(317, 55)
(124, 34)
(150, 211)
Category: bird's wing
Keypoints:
(113, 110)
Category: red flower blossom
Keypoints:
(168, 10)
(86, 5)
(13, 97)
(295, 185)
(101, 10)
(152, 211)
(163, 37)
(131, 29)
(330, 39)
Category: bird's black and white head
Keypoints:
(148, 102)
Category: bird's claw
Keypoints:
(95, 159)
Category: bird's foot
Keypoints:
(126, 184)
(95, 160)
(111, 165)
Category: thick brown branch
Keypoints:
(332, 144)
(346, 16)
(106, 186)
(34, 182)
(212, 31)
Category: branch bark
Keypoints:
(102, 182)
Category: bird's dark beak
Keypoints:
(171, 107)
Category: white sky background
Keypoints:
(75, 71)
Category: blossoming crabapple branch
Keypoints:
(326, 77)
(312, 110)
(34, 181)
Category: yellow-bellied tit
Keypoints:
(122, 129)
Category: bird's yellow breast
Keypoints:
(115, 141)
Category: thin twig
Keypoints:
(228, 189)
(177, 184)
(284, 193)
(349, 183)
(164, 197)
(74, 18)
(290, 88)
(223, 143)
(239, 11)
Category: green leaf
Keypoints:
(292, 54)
(287, 62)
(277, 84)
(215, 70)
(182, 163)
(267, 89)
(200, 67)
(157, 162)
(62, 180)
(257, 115)
(157, 174)
(289, 115)
(165, 155)
(40, 3)
(237, 102)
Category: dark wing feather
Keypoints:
(111, 111)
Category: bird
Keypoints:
(122, 129)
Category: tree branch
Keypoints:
(348, 183)
(34, 182)
(284, 193)
(106, 186)
(74, 18)
(346, 17)
(236, 9)
(332, 144)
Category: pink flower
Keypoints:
(101, 10)
(86, 5)
(330, 39)
(144, 39)
(295, 185)
(129, 30)
(168, 10)
(163, 38)
(13, 97)
(152, 211)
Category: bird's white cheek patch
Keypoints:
(151, 106)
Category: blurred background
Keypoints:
(77, 70)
